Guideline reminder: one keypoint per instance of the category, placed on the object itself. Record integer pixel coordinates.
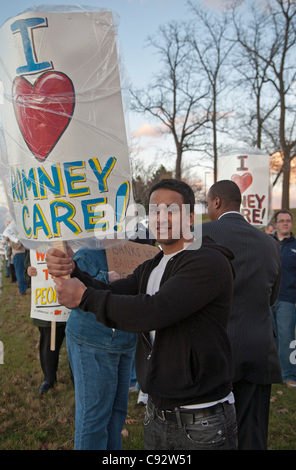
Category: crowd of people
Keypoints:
(203, 329)
(15, 253)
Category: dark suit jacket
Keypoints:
(257, 266)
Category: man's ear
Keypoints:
(218, 202)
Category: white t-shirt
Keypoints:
(155, 278)
(156, 275)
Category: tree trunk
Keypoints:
(215, 145)
(286, 181)
(285, 149)
(179, 163)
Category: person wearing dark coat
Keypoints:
(257, 266)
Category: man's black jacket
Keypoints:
(190, 360)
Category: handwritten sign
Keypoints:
(64, 126)
(250, 171)
(10, 232)
(124, 259)
(44, 303)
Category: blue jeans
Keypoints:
(134, 380)
(101, 380)
(7, 268)
(19, 267)
(284, 322)
(217, 432)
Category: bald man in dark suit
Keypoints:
(257, 266)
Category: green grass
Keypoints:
(282, 421)
(29, 421)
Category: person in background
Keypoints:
(7, 260)
(101, 360)
(283, 311)
(49, 360)
(257, 267)
(18, 257)
(10, 261)
(269, 229)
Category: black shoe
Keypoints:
(45, 387)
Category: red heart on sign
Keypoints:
(243, 181)
(43, 110)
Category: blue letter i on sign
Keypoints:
(24, 27)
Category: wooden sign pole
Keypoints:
(53, 335)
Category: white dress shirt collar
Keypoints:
(230, 212)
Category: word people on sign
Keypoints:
(44, 303)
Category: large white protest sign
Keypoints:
(44, 303)
(249, 169)
(64, 126)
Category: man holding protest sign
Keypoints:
(183, 298)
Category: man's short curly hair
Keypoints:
(227, 191)
(180, 187)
